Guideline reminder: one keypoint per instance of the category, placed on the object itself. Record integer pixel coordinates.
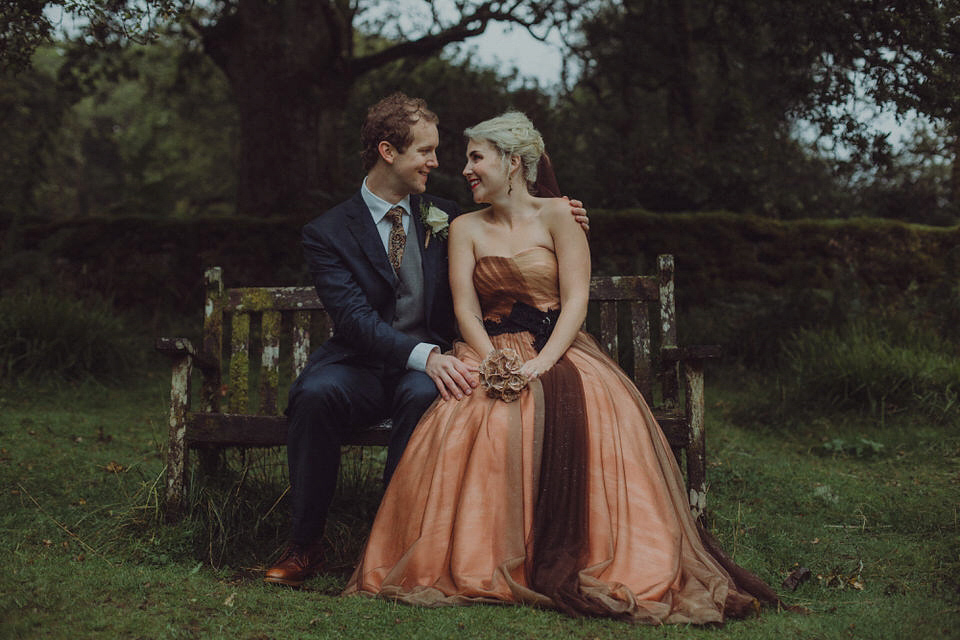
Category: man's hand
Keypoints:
(451, 375)
(579, 213)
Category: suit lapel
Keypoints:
(360, 223)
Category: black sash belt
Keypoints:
(524, 317)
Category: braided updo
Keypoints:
(512, 134)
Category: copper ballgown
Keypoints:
(469, 506)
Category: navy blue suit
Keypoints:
(359, 375)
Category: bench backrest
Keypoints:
(640, 309)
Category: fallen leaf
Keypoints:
(114, 467)
(795, 579)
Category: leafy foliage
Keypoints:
(147, 129)
(747, 106)
(761, 107)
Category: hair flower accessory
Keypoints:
(500, 375)
(435, 219)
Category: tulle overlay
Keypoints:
(568, 497)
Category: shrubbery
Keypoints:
(876, 366)
(52, 336)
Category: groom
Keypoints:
(379, 264)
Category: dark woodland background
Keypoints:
(799, 160)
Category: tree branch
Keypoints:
(469, 25)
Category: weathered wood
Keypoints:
(228, 429)
(272, 299)
(239, 389)
(269, 361)
(640, 330)
(695, 352)
(669, 373)
(697, 448)
(243, 430)
(180, 386)
(301, 341)
(213, 337)
(608, 329)
(175, 347)
(674, 427)
(624, 288)
(209, 430)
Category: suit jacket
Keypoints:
(358, 287)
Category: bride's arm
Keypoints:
(573, 259)
(466, 304)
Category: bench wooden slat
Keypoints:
(624, 288)
(271, 298)
(242, 430)
(305, 298)
(294, 315)
(212, 338)
(301, 341)
(269, 361)
(608, 329)
(640, 330)
(669, 372)
(239, 363)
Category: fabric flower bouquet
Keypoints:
(500, 375)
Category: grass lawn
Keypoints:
(871, 510)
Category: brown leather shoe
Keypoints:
(298, 562)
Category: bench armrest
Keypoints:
(691, 353)
(183, 347)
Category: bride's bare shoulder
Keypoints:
(470, 217)
(465, 222)
(554, 209)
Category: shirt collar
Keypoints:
(378, 206)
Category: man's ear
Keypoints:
(387, 151)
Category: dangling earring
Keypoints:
(510, 190)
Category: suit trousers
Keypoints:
(328, 401)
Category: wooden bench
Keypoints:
(628, 315)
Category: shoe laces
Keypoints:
(298, 553)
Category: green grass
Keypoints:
(85, 554)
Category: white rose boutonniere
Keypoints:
(436, 221)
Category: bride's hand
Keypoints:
(535, 367)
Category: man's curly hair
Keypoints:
(391, 119)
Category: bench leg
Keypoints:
(696, 450)
(176, 443)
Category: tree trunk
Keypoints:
(288, 158)
(683, 90)
(286, 65)
(954, 129)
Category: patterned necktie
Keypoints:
(398, 238)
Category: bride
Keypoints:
(555, 488)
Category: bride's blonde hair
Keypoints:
(512, 134)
